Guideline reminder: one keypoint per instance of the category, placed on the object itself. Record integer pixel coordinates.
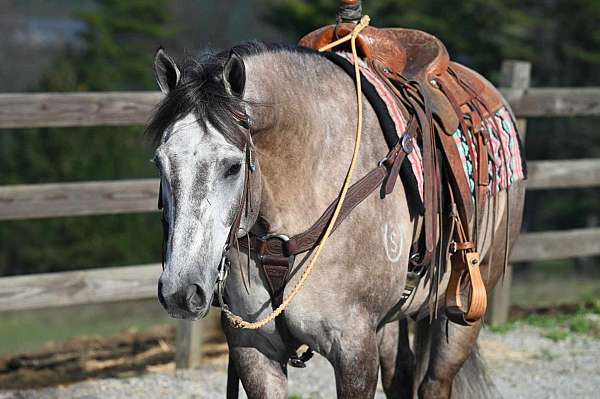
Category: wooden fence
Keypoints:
(36, 201)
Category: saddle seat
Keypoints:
(418, 56)
(407, 52)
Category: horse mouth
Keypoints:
(188, 315)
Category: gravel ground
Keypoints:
(522, 363)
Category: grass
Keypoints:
(551, 284)
(585, 321)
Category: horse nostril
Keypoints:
(195, 298)
(161, 297)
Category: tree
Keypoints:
(117, 55)
(477, 33)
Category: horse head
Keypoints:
(203, 152)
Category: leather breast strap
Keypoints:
(277, 253)
(277, 250)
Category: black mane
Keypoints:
(201, 91)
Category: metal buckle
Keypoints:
(223, 269)
(296, 362)
(383, 161)
(407, 143)
(452, 247)
(283, 238)
(223, 272)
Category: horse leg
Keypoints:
(261, 376)
(355, 360)
(233, 380)
(451, 346)
(396, 360)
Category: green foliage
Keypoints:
(585, 321)
(118, 48)
(477, 32)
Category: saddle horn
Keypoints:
(349, 11)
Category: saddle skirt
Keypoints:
(502, 131)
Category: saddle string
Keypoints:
(504, 160)
(236, 320)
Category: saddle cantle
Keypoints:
(418, 56)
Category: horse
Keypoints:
(293, 112)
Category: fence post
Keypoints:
(188, 343)
(516, 75)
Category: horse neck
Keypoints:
(306, 149)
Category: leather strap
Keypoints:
(274, 249)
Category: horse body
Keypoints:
(302, 110)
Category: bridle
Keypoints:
(243, 209)
(243, 121)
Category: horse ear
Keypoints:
(166, 71)
(234, 75)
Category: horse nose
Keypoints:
(195, 298)
(186, 300)
(161, 297)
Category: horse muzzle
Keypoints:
(184, 301)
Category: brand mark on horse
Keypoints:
(393, 241)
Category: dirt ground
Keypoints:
(81, 359)
(523, 363)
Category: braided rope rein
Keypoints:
(237, 321)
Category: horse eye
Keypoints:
(155, 161)
(233, 169)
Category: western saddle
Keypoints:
(441, 96)
(418, 56)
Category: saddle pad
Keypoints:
(505, 142)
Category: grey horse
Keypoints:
(302, 117)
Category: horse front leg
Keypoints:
(355, 360)
(261, 377)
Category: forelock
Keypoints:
(202, 92)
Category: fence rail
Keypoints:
(18, 202)
(112, 284)
(28, 110)
(117, 284)
(35, 201)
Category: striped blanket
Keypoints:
(502, 133)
